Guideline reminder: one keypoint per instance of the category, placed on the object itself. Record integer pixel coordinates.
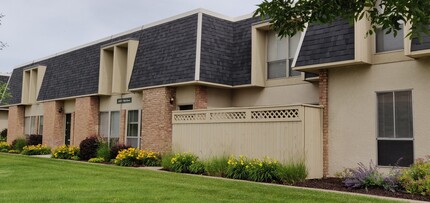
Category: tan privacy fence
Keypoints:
(285, 133)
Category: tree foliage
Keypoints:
(287, 17)
(5, 94)
(2, 44)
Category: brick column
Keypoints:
(15, 123)
(201, 97)
(86, 118)
(157, 110)
(53, 118)
(122, 125)
(323, 86)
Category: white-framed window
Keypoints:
(30, 125)
(40, 128)
(133, 128)
(395, 128)
(109, 127)
(388, 42)
(280, 55)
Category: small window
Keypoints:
(387, 42)
(40, 129)
(104, 125)
(185, 107)
(133, 128)
(30, 125)
(114, 128)
(395, 128)
(280, 55)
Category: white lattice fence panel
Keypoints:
(189, 117)
(275, 114)
(228, 115)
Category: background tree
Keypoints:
(4, 93)
(2, 44)
(287, 17)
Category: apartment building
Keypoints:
(368, 93)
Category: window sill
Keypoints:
(293, 80)
(390, 57)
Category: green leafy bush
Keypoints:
(36, 150)
(293, 172)
(104, 151)
(237, 168)
(19, 143)
(3, 135)
(136, 157)
(116, 149)
(4, 147)
(13, 151)
(166, 161)
(66, 152)
(197, 167)
(181, 162)
(97, 160)
(416, 179)
(216, 166)
(88, 148)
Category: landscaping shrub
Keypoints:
(88, 148)
(293, 172)
(237, 168)
(18, 144)
(136, 157)
(181, 162)
(3, 135)
(197, 167)
(66, 152)
(166, 161)
(34, 140)
(36, 150)
(266, 170)
(13, 151)
(4, 147)
(365, 177)
(216, 166)
(416, 179)
(116, 149)
(97, 160)
(104, 152)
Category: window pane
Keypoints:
(186, 107)
(390, 151)
(276, 69)
(114, 124)
(385, 115)
(40, 125)
(403, 114)
(104, 124)
(292, 72)
(132, 142)
(27, 125)
(33, 125)
(294, 43)
(132, 130)
(133, 116)
(387, 42)
(276, 47)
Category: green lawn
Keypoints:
(29, 179)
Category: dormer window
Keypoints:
(280, 55)
(116, 66)
(31, 83)
(388, 42)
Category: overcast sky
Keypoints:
(34, 29)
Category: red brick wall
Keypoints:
(53, 120)
(323, 86)
(15, 123)
(157, 110)
(86, 118)
(201, 97)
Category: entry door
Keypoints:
(67, 129)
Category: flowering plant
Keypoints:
(65, 152)
(36, 150)
(137, 157)
(181, 162)
(4, 147)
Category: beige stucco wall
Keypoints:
(219, 98)
(352, 109)
(3, 119)
(34, 110)
(109, 103)
(304, 92)
(69, 106)
(185, 95)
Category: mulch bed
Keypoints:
(336, 184)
